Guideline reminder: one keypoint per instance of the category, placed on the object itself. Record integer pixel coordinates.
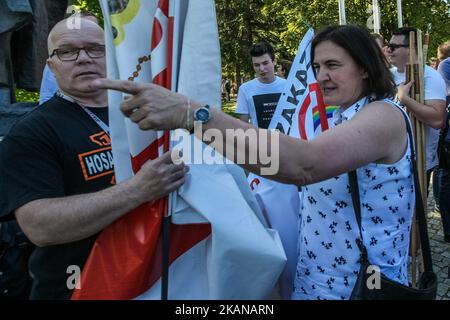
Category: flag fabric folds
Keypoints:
(220, 247)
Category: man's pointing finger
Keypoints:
(125, 86)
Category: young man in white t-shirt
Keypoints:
(432, 112)
(258, 98)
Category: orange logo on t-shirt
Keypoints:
(101, 138)
(96, 163)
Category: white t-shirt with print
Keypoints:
(434, 90)
(259, 100)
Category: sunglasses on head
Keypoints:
(393, 46)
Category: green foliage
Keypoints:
(230, 108)
(283, 23)
(90, 5)
(26, 96)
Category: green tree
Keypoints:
(239, 26)
(284, 22)
(23, 95)
(89, 5)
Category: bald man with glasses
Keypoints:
(57, 168)
(48, 83)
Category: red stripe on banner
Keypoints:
(161, 78)
(314, 87)
(182, 239)
(157, 33)
(114, 268)
(164, 77)
(302, 117)
(164, 6)
(151, 152)
(128, 268)
(166, 140)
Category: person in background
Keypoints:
(442, 174)
(258, 98)
(443, 65)
(379, 39)
(432, 111)
(283, 69)
(433, 62)
(228, 89)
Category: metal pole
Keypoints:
(376, 16)
(342, 20)
(165, 257)
(168, 207)
(399, 13)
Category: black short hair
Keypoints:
(405, 32)
(285, 66)
(261, 48)
(359, 44)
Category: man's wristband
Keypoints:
(189, 117)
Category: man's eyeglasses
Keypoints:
(393, 46)
(71, 54)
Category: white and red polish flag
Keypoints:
(219, 246)
(300, 113)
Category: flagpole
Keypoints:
(399, 13)
(164, 16)
(342, 20)
(376, 16)
(165, 257)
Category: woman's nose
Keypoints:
(322, 75)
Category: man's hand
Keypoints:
(157, 178)
(404, 91)
(431, 113)
(55, 221)
(150, 106)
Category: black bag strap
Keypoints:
(444, 131)
(354, 190)
(420, 211)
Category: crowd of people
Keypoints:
(62, 203)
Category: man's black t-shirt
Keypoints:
(55, 151)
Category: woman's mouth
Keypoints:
(328, 90)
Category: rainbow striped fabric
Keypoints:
(316, 117)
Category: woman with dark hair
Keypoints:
(369, 136)
(365, 53)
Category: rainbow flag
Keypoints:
(316, 117)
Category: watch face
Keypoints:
(202, 115)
